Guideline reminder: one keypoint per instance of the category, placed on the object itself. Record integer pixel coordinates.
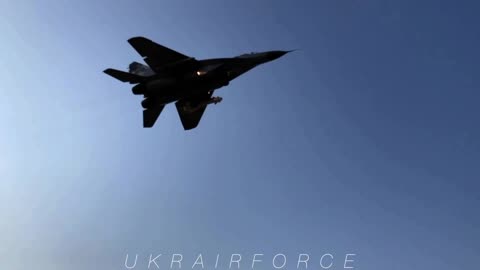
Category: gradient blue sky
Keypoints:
(366, 141)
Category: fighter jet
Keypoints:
(170, 76)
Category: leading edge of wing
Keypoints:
(155, 54)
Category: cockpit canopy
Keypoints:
(247, 55)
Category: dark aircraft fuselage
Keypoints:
(174, 77)
(196, 78)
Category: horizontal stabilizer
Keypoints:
(124, 76)
(150, 115)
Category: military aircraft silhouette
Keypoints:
(174, 77)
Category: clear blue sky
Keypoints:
(366, 141)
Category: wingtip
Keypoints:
(136, 39)
(189, 127)
(107, 71)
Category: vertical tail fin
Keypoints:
(140, 69)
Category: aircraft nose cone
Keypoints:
(276, 54)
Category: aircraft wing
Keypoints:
(155, 55)
(190, 119)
